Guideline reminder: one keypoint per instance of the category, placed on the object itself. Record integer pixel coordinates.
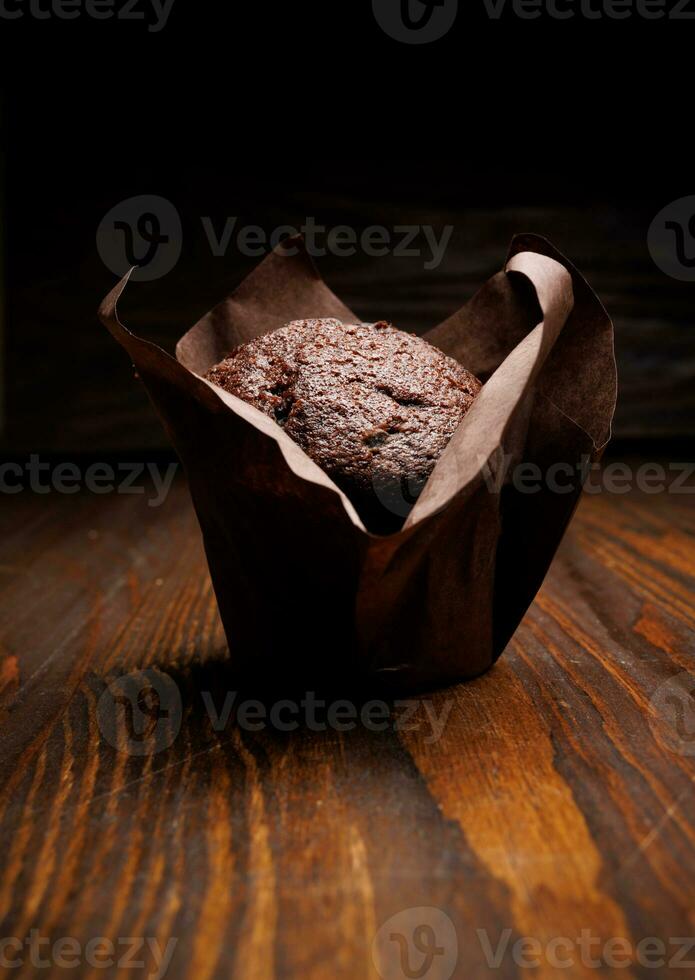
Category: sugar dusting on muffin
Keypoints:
(373, 406)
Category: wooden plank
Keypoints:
(550, 802)
(53, 306)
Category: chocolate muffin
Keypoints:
(373, 406)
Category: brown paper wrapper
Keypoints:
(303, 589)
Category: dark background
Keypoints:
(273, 113)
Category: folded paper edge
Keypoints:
(525, 241)
(247, 291)
(541, 271)
(301, 465)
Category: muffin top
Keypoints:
(373, 406)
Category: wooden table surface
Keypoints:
(551, 798)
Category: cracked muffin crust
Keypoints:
(372, 405)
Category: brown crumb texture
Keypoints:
(372, 405)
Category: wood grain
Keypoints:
(56, 289)
(552, 802)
